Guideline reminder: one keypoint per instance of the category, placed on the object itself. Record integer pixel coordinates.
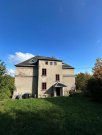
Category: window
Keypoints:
(46, 62)
(55, 63)
(31, 61)
(51, 63)
(43, 86)
(57, 77)
(44, 72)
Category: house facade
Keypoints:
(44, 77)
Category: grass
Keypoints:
(53, 116)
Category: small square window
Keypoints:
(55, 63)
(51, 63)
(46, 62)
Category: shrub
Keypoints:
(81, 82)
(94, 88)
(6, 86)
(5, 93)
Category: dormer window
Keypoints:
(31, 61)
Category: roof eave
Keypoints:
(69, 68)
(25, 65)
(51, 60)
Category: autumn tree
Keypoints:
(97, 70)
(94, 85)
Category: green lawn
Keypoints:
(53, 116)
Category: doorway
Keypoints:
(58, 93)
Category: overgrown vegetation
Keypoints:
(95, 83)
(52, 116)
(6, 83)
(82, 81)
(91, 85)
(95, 88)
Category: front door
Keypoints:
(58, 92)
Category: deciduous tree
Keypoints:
(2, 68)
(97, 70)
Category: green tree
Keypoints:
(81, 81)
(2, 68)
(6, 83)
(6, 86)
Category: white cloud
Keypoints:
(11, 72)
(19, 57)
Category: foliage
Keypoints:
(2, 68)
(5, 94)
(6, 86)
(95, 88)
(94, 85)
(81, 81)
(97, 70)
(6, 83)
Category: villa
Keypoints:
(44, 77)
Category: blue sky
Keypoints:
(67, 29)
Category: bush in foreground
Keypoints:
(94, 87)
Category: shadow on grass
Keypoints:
(65, 116)
(28, 123)
(31, 123)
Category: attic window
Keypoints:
(32, 61)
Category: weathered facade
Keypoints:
(44, 77)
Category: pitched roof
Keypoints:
(47, 58)
(66, 66)
(33, 61)
(56, 85)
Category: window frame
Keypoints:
(46, 62)
(44, 72)
(55, 63)
(51, 63)
(44, 85)
(57, 77)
